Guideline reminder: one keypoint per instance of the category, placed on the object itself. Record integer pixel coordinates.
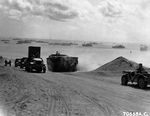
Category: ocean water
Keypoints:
(90, 58)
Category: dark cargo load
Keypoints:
(34, 52)
(62, 63)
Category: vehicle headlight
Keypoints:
(31, 62)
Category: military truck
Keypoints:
(34, 52)
(35, 64)
(142, 79)
(34, 61)
(61, 63)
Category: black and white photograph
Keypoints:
(74, 57)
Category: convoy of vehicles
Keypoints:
(33, 62)
(63, 63)
(55, 62)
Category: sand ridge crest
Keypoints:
(119, 64)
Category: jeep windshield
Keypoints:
(37, 60)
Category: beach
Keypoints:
(82, 93)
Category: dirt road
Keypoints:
(68, 94)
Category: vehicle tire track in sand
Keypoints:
(54, 96)
(106, 108)
(57, 105)
(79, 103)
(62, 108)
(52, 102)
(102, 104)
(78, 108)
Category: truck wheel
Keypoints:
(26, 69)
(21, 67)
(30, 69)
(142, 83)
(124, 80)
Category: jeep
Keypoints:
(142, 79)
(35, 64)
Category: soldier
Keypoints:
(5, 62)
(57, 53)
(9, 62)
(140, 69)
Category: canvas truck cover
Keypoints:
(34, 52)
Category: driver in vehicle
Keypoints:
(140, 69)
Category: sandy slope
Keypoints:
(68, 94)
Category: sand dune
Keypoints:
(118, 65)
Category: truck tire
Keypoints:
(26, 69)
(30, 69)
(38, 71)
(142, 84)
(124, 80)
(21, 66)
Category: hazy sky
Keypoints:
(98, 20)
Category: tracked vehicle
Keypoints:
(62, 63)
